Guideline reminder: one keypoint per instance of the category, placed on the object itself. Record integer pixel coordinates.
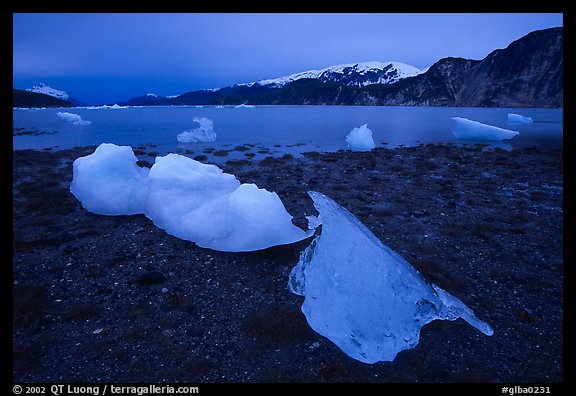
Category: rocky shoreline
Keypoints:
(115, 299)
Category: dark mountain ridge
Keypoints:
(527, 73)
(22, 98)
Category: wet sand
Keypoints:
(115, 299)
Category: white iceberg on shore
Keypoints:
(204, 133)
(75, 119)
(186, 198)
(519, 119)
(362, 295)
(474, 130)
(360, 139)
(109, 182)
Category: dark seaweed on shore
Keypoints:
(115, 299)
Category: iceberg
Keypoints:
(186, 198)
(75, 119)
(82, 123)
(519, 119)
(68, 117)
(360, 139)
(362, 295)
(204, 133)
(109, 182)
(474, 130)
(106, 107)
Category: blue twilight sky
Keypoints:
(107, 58)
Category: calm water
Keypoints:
(281, 129)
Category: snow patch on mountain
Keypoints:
(47, 90)
(351, 74)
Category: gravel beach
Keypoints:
(116, 299)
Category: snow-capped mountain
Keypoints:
(504, 78)
(56, 93)
(350, 74)
(46, 90)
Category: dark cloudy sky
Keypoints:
(107, 58)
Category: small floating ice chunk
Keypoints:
(106, 107)
(186, 198)
(82, 123)
(244, 106)
(75, 119)
(519, 119)
(362, 295)
(474, 130)
(360, 139)
(204, 133)
(69, 117)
